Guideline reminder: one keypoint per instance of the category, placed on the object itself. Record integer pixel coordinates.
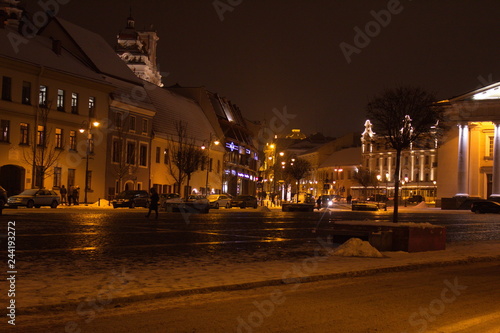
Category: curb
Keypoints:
(266, 283)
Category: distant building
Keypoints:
(137, 48)
(241, 158)
(418, 172)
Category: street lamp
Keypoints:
(435, 191)
(387, 184)
(89, 151)
(210, 142)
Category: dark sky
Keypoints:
(269, 54)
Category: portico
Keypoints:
(474, 118)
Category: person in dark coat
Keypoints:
(76, 195)
(70, 195)
(64, 192)
(153, 202)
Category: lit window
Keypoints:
(72, 140)
(42, 96)
(25, 134)
(5, 128)
(60, 99)
(74, 103)
(92, 107)
(40, 135)
(59, 138)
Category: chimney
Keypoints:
(56, 46)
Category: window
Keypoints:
(40, 135)
(131, 123)
(118, 120)
(89, 180)
(203, 163)
(26, 93)
(60, 99)
(92, 107)
(59, 138)
(210, 164)
(5, 128)
(74, 103)
(166, 158)
(490, 145)
(42, 96)
(426, 161)
(25, 134)
(144, 126)
(218, 166)
(71, 177)
(143, 155)
(72, 140)
(7, 88)
(57, 176)
(117, 151)
(130, 153)
(158, 152)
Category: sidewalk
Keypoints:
(54, 285)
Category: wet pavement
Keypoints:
(127, 233)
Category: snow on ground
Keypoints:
(50, 282)
(356, 247)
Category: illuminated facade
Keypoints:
(472, 146)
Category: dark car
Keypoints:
(3, 198)
(416, 199)
(244, 201)
(131, 199)
(481, 207)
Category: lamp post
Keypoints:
(387, 184)
(89, 151)
(210, 142)
(435, 191)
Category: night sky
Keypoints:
(269, 54)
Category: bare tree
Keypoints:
(297, 170)
(186, 156)
(42, 156)
(124, 166)
(402, 116)
(365, 178)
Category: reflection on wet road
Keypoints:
(125, 232)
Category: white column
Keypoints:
(463, 160)
(495, 191)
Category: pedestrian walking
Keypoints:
(76, 195)
(153, 202)
(64, 192)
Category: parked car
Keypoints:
(131, 199)
(169, 197)
(3, 198)
(35, 198)
(244, 201)
(481, 207)
(198, 199)
(416, 199)
(219, 200)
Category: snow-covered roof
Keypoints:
(130, 93)
(343, 157)
(99, 52)
(38, 51)
(172, 108)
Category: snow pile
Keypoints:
(355, 247)
(422, 204)
(103, 203)
(263, 209)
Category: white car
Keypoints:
(35, 198)
(219, 200)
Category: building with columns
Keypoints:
(419, 165)
(470, 156)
